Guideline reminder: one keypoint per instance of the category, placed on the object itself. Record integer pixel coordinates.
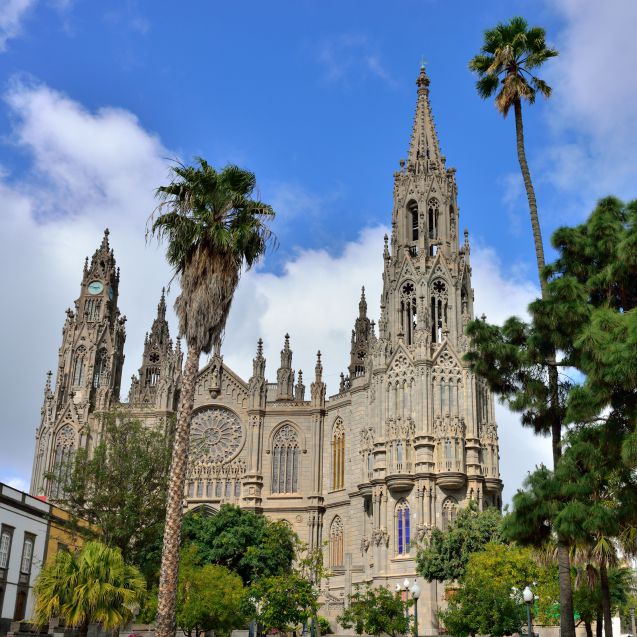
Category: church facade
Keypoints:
(408, 439)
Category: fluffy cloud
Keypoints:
(594, 106)
(88, 170)
(12, 13)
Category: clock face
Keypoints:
(95, 287)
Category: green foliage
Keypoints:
(324, 625)
(509, 57)
(248, 544)
(121, 488)
(93, 586)
(446, 554)
(588, 594)
(376, 611)
(488, 601)
(283, 602)
(213, 227)
(208, 598)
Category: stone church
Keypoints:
(408, 439)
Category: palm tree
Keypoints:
(508, 57)
(213, 228)
(506, 64)
(94, 586)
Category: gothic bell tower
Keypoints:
(89, 371)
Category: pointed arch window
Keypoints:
(412, 208)
(433, 214)
(449, 512)
(101, 362)
(439, 310)
(403, 530)
(79, 366)
(64, 450)
(336, 542)
(338, 455)
(152, 376)
(285, 460)
(408, 311)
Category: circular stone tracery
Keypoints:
(216, 435)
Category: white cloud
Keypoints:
(93, 169)
(352, 56)
(593, 110)
(12, 13)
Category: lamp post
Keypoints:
(527, 595)
(415, 593)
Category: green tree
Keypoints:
(588, 593)
(120, 487)
(445, 555)
(376, 611)
(209, 597)
(245, 542)
(94, 586)
(590, 313)
(283, 602)
(488, 600)
(213, 228)
(507, 64)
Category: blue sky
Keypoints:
(317, 98)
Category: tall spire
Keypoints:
(424, 146)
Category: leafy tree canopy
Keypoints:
(488, 600)
(376, 611)
(247, 543)
(283, 602)
(209, 597)
(121, 487)
(446, 554)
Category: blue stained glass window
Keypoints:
(407, 534)
(400, 532)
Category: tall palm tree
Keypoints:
(214, 228)
(506, 66)
(94, 586)
(510, 54)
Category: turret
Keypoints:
(285, 373)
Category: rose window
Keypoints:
(216, 435)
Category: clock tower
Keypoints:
(89, 372)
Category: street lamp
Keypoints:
(527, 595)
(415, 593)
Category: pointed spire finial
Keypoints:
(362, 304)
(318, 369)
(161, 306)
(260, 348)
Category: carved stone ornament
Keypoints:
(380, 536)
(216, 435)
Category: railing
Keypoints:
(400, 467)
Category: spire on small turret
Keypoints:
(258, 362)
(299, 388)
(47, 385)
(105, 245)
(362, 304)
(424, 144)
(285, 373)
(318, 368)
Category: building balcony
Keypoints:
(400, 477)
(492, 485)
(451, 479)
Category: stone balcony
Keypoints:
(400, 477)
(451, 475)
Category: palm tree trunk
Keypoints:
(589, 629)
(567, 619)
(598, 625)
(83, 632)
(167, 595)
(603, 582)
